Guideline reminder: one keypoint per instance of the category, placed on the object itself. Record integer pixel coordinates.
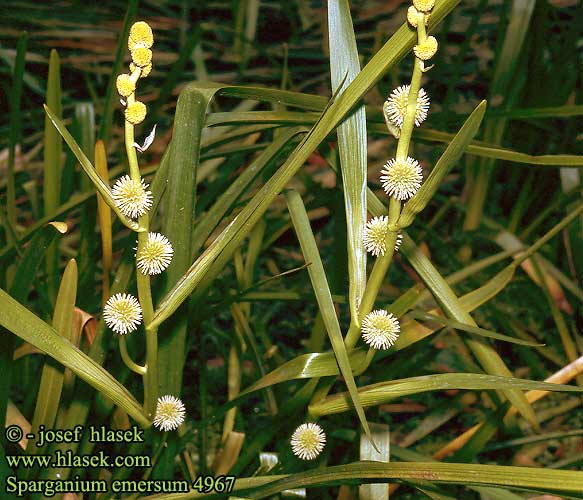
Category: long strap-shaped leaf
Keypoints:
(88, 168)
(382, 392)
(319, 281)
(393, 51)
(344, 66)
(535, 478)
(29, 327)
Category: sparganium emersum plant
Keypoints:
(290, 355)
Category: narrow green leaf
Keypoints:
(393, 50)
(446, 161)
(53, 145)
(319, 282)
(383, 392)
(87, 166)
(449, 302)
(535, 478)
(29, 327)
(51, 382)
(179, 199)
(352, 145)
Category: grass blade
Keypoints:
(319, 281)
(352, 145)
(53, 145)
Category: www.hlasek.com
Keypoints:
(57, 480)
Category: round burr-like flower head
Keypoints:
(140, 35)
(132, 197)
(308, 441)
(170, 413)
(375, 236)
(380, 329)
(136, 112)
(402, 178)
(395, 107)
(141, 56)
(413, 15)
(125, 85)
(156, 254)
(426, 49)
(145, 70)
(424, 5)
(122, 313)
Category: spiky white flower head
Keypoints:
(122, 313)
(395, 107)
(308, 441)
(156, 254)
(402, 178)
(424, 5)
(170, 413)
(132, 197)
(380, 329)
(426, 49)
(375, 236)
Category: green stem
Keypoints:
(125, 356)
(143, 283)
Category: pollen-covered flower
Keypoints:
(132, 197)
(136, 112)
(156, 254)
(140, 35)
(145, 70)
(141, 56)
(308, 441)
(413, 15)
(375, 236)
(402, 178)
(170, 413)
(380, 329)
(424, 5)
(125, 85)
(426, 49)
(395, 106)
(122, 313)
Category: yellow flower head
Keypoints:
(156, 254)
(424, 5)
(125, 85)
(308, 441)
(136, 112)
(402, 178)
(380, 329)
(140, 36)
(426, 49)
(413, 14)
(132, 197)
(141, 56)
(170, 413)
(145, 70)
(122, 313)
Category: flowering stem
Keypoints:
(143, 282)
(381, 266)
